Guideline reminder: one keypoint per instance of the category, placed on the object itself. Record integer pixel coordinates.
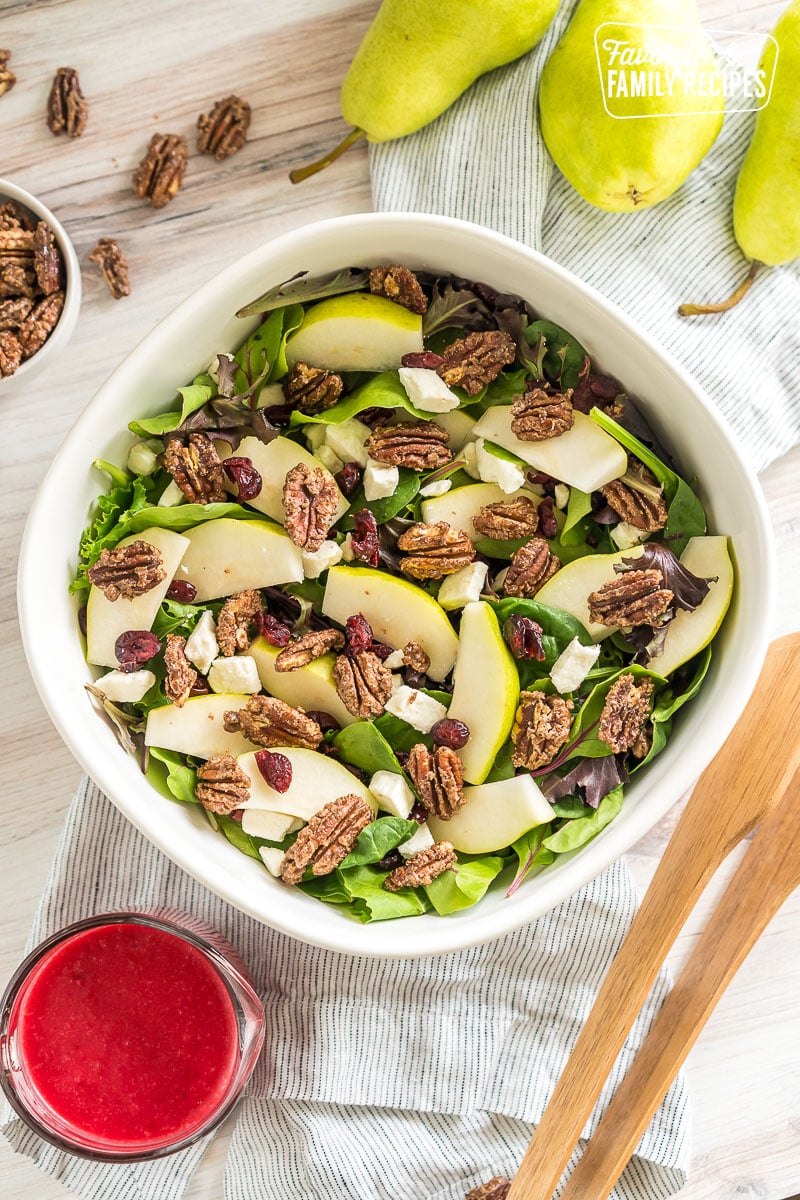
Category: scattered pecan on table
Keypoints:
(266, 721)
(531, 567)
(223, 131)
(623, 721)
(507, 519)
(400, 285)
(420, 445)
(472, 362)
(181, 676)
(541, 727)
(635, 598)
(67, 110)
(496, 1189)
(159, 175)
(641, 506)
(7, 76)
(113, 265)
(234, 619)
(128, 571)
(541, 414)
(363, 682)
(310, 498)
(433, 551)
(303, 650)
(222, 786)
(438, 779)
(327, 839)
(422, 868)
(196, 468)
(312, 389)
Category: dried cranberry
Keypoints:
(324, 719)
(135, 647)
(426, 358)
(275, 768)
(247, 479)
(450, 732)
(594, 389)
(357, 634)
(237, 814)
(82, 619)
(380, 650)
(275, 631)
(539, 477)
(524, 637)
(365, 542)
(199, 687)
(181, 590)
(348, 478)
(547, 518)
(419, 812)
(391, 860)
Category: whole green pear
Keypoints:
(418, 56)
(630, 100)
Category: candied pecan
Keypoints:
(10, 352)
(113, 265)
(472, 362)
(541, 727)
(540, 414)
(433, 551)
(222, 785)
(128, 570)
(420, 445)
(438, 778)
(181, 676)
(531, 567)
(13, 312)
(305, 649)
(7, 76)
(400, 285)
(40, 323)
(312, 389)
(223, 131)
(235, 617)
(310, 498)
(643, 743)
(67, 110)
(196, 468)
(327, 839)
(496, 1189)
(422, 868)
(635, 598)
(643, 507)
(363, 683)
(415, 658)
(47, 263)
(160, 173)
(506, 519)
(267, 721)
(625, 714)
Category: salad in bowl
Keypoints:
(402, 594)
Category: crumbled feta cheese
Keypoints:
(394, 661)
(392, 793)
(237, 674)
(625, 536)
(201, 645)
(469, 455)
(415, 708)
(329, 459)
(573, 665)
(380, 480)
(171, 494)
(426, 390)
(315, 563)
(463, 585)
(272, 858)
(437, 488)
(347, 548)
(125, 687)
(421, 840)
(271, 396)
(561, 495)
(141, 459)
(397, 683)
(348, 440)
(314, 435)
(491, 469)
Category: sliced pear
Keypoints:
(399, 612)
(460, 505)
(571, 586)
(494, 816)
(273, 461)
(107, 619)
(690, 632)
(310, 687)
(578, 457)
(356, 332)
(197, 728)
(274, 826)
(485, 689)
(316, 780)
(227, 556)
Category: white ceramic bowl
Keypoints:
(72, 292)
(182, 345)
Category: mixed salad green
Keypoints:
(407, 544)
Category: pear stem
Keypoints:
(697, 310)
(301, 173)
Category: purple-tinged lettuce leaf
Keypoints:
(592, 779)
(302, 290)
(456, 305)
(688, 589)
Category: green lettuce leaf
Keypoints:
(564, 356)
(185, 516)
(112, 521)
(585, 744)
(465, 885)
(381, 391)
(364, 746)
(261, 358)
(577, 833)
(170, 775)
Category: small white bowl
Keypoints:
(72, 291)
(182, 345)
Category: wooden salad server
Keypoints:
(747, 778)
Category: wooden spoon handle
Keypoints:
(769, 872)
(732, 795)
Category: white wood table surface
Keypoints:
(155, 66)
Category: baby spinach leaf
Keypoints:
(379, 837)
(399, 734)
(300, 289)
(390, 506)
(365, 747)
(169, 772)
(564, 356)
(577, 833)
(193, 396)
(583, 744)
(578, 507)
(261, 358)
(371, 902)
(330, 889)
(381, 391)
(185, 516)
(570, 807)
(237, 837)
(465, 884)
(494, 548)
(558, 630)
(667, 703)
